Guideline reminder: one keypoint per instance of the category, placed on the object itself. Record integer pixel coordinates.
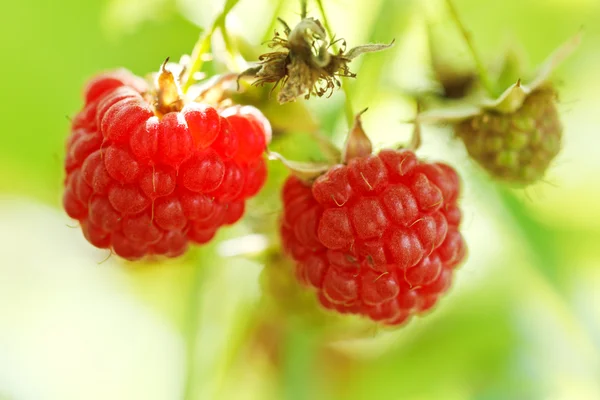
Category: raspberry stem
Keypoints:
(268, 35)
(230, 47)
(201, 48)
(303, 8)
(191, 329)
(415, 139)
(481, 70)
(348, 103)
(203, 45)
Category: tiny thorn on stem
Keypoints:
(163, 67)
(303, 8)
(415, 140)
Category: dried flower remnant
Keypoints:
(303, 62)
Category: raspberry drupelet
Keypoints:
(378, 236)
(145, 178)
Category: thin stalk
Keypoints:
(203, 45)
(348, 103)
(303, 8)
(232, 50)
(481, 70)
(200, 49)
(191, 329)
(268, 35)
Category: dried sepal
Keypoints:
(213, 90)
(304, 171)
(167, 94)
(367, 48)
(303, 64)
(168, 91)
(513, 98)
(558, 56)
(301, 79)
(450, 115)
(358, 143)
(510, 101)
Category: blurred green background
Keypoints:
(522, 320)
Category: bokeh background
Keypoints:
(522, 320)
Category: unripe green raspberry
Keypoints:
(517, 147)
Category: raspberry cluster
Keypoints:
(377, 237)
(517, 147)
(143, 182)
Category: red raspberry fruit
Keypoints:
(377, 237)
(142, 181)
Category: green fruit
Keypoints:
(518, 147)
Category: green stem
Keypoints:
(481, 70)
(243, 329)
(230, 47)
(274, 21)
(303, 8)
(348, 110)
(348, 103)
(200, 49)
(203, 45)
(299, 354)
(191, 328)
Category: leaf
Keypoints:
(448, 115)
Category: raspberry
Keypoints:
(377, 237)
(517, 147)
(143, 181)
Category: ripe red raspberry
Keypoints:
(142, 180)
(377, 237)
